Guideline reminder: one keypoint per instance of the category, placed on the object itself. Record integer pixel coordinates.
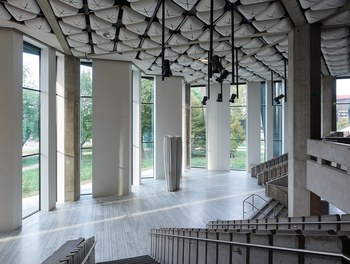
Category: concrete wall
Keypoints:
(136, 127)
(218, 129)
(112, 133)
(11, 48)
(168, 116)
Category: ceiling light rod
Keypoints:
(237, 72)
(285, 80)
(233, 44)
(272, 87)
(163, 38)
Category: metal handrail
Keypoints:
(89, 253)
(296, 250)
(279, 223)
(252, 204)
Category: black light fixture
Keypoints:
(216, 64)
(166, 71)
(205, 99)
(233, 97)
(219, 97)
(223, 76)
(278, 98)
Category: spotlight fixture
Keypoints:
(219, 97)
(223, 76)
(205, 99)
(217, 66)
(233, 97)
(166, 69)
(278, 98)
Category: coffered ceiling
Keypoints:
(132, 30)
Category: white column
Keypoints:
(327, 91)
(48, 129)
(136, 126)
(253, 123)
(218, 129)
(269, 121)
(11, 50)
(168, 116)
(112, 133)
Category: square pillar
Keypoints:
(253, 123)
(304, 113)
(218, 129)
(328, 98)
(136, 141)
(11, 63)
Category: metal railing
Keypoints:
(294, 250)
(252, 204)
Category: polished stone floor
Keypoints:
(121, 224)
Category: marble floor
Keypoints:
(121, 224)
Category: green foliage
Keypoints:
(85, 107)
(86, 166)
(342, 123)
(146, 119)
(198, 135)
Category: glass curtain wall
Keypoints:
(238, 117)
(31, 130)
(147, 127)
(85, 129)
(263, 122)
(343, 104)
(277, 120)
(198, 133)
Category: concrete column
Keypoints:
(168, 116)
(136, 126)
(68, 137)
(112, 132)
(218, 129)
(328, 86)
(304, 113)
(187, 127)
(48, 184)
(285, 131)
(253, 123)
(11, 50)
(269, 121)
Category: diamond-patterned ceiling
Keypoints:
(133, 29)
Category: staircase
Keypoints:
(135, 260)
(271, 209)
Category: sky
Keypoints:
(343, 86)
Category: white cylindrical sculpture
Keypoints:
(172, 161)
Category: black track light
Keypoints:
(219, 97)
(233, 97)
(278, 98)
(217, 66)
(223, 76)
(166, 69)
(205, 99)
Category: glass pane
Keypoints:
(86, 171)
(85, 122)
(147, 90)
(277, 148)
(31, 71)
(147, 160)
(342, 115)
(197, 94)
(238, 154)
(30, 122)
(30, 185)
(277, 122)
(85, 80)
(147, 122)
(198, 152)
(238, 122)
(242, 94)
(198, 123)
(262, 151)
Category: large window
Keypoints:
(147, 127)
(277, 120)
(198, 135)
(263, 122)
(31, 131)
(238, 113)
(86, 128)
(343, 104)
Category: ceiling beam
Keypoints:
(51, 19)
(340, 10)
(294, 10)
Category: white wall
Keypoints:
(136, 126)
(253, 123)
(218, 129)
(11, 49)
(112, 133)
(168, 116)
